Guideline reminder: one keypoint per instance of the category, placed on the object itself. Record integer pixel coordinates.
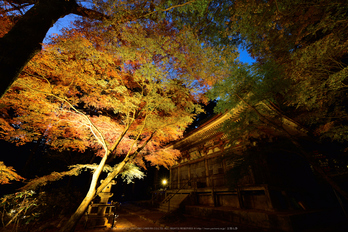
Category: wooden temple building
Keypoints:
(280, 193)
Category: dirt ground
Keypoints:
(137, 218)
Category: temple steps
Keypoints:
(172, 201)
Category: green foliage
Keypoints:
(19, 208)
(251, 82)
(297, 87)
(301, 49)
(27, 209)
(246, 93)
(209, 20)
(131, 172)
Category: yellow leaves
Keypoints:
(5, 127)
(70, 143)
(54, 176)
(8, 174)
(165, 157)
(93, 82)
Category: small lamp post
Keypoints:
(164, 184)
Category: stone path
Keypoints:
(153, 220)
(134, 218)
(129, 221)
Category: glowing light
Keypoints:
(164, 181)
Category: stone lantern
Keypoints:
(106, 193)
(99, 214)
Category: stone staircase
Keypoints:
(173, 201)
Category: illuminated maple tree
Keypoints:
(23, 41)
(124, 92)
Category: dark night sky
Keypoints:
(41, 164)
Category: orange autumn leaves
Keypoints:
(8, 173)
(116, 81)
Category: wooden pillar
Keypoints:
(213, 195)
(269, 198)
(224, 169)
(189, 185)
(240, 198)
(170, 179)
(178, 177)
(207, 172)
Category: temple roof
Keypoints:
(211, 128)
(208, 129)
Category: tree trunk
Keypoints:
(74, 219)
(24, 40)
(92, 192)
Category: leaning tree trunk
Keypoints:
(75, 218)
(24, 40)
